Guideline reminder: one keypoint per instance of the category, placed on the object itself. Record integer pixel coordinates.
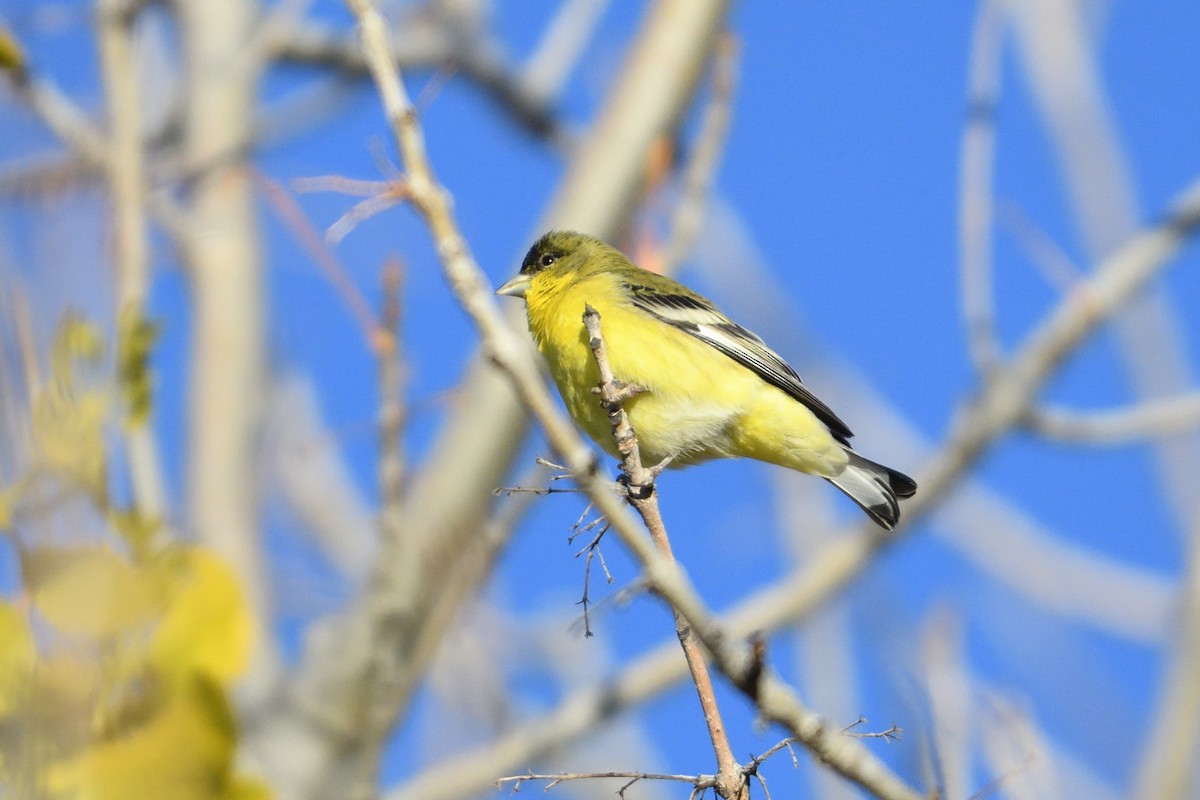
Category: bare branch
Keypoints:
(224, 268)
(893, 733)
(374, 334)
(976, 162)
(428, 42)
(130, 252)
(731, 782)
(698, 782)
(1150, 419)
(547, 70)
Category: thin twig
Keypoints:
(592, 549)
(699, 782)
(731, 782)
(285, 205)
(889, 735)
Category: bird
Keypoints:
(703, 386)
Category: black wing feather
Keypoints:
(694, 315)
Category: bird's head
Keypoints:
(557, 253)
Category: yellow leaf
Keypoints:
(17, 656)
(244, 788)
(183, 751)
(75, 339)
(93, 591)
(12, 57)
(207, 629)
(69, 412)
(69, 433)
(135, 528)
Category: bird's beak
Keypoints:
(516, 287)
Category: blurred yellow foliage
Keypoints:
(182, 751)
(70, 411)
(206, 630)
(12, 57)
(116, 658)
(93, 591)
(126, 696)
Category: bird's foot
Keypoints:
(619, 393)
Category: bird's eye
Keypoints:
(547, 260)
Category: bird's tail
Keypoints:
(875, 488)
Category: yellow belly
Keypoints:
(698, 403)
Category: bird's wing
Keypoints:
(693, 314)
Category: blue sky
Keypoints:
(841, 169)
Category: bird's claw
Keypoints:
(621, 391)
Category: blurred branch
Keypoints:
(126, 181)
(1150, 419)
(654, 88)
(65, 120)
(422, 46)
(976, 163)
(472, 771)
(391, 405)
(702, 165)
(1059, 56)
(46, 173)
(87, 144)
(1017, 752)
(1060, 576)
(1056, 266)
(947, 689)
(374, 334)
(1168, 765)
(545, 73)
(224, 269)
(309, 471)
(824, 647)
(1058, 53)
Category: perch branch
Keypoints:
(730, 780)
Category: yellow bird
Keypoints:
(709, 387)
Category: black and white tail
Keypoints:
(875, 488)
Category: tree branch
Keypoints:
(730, 782)
(126, 181)
(1149, 419)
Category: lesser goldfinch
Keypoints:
(709, 388)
